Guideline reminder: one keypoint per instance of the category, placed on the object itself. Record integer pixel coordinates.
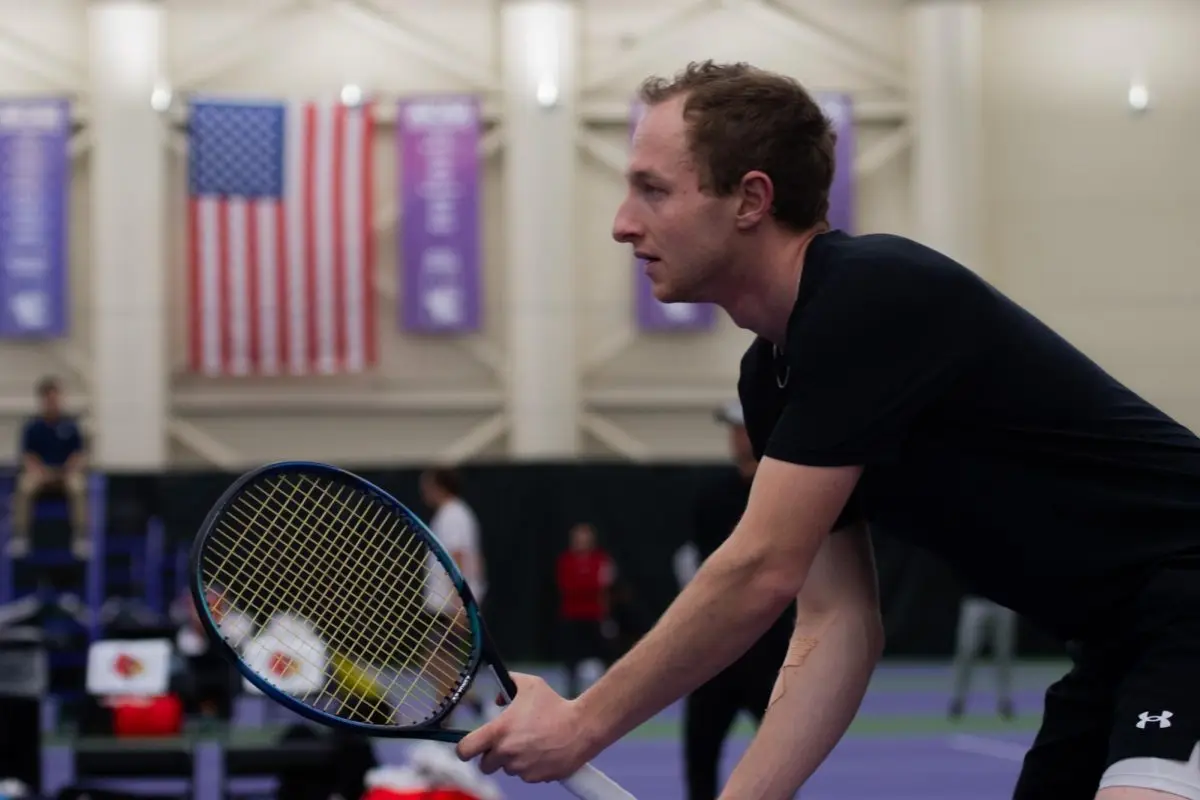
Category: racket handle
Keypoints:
(590, 783)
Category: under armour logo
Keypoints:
(1163, 719)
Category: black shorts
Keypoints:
(1136, 694)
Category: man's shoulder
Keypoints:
(880, 263)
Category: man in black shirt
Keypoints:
(746, 684)
(889, 384)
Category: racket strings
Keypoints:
(297, 547)
(359, 643)
(413, 543)
(411, 551)
(292, 552)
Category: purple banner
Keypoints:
(439, 250)
(840, 110)
(651, 314)
(34, 174)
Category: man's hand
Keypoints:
(539, 737)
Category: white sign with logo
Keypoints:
(139, 667)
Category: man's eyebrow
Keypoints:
(642, 176)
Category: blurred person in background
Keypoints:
(982, 621)
(455, 525)
(53, 458)
(585, 574)
(746, 685)
(207, 681)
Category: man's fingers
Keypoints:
(490, 762)
(524, 681)
(479, 740)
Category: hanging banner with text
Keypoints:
(34, 176)
(653, 315)
(441, 280)
(840, 111)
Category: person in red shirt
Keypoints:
(584, 574)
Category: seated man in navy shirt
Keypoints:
(52, 457)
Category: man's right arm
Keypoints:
(837, 641)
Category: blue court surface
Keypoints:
(901, 746)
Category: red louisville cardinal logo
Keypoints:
(283, 665)
(127, 666)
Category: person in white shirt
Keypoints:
(457, 529)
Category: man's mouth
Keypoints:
(645, 257)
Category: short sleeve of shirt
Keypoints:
(882, 341)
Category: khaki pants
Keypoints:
(31, 484)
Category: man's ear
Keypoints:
(756, 195)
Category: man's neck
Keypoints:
(763, 291)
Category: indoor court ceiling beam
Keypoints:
(877, 63)
(385, 29)
(212, 450)
(22, 406)
(232, 403)
(789, 23)
(617, 112)
(653, 398)
(606, 153)
(883, 151)
(598, 113)
(74, 360)
(615, 437)
(476, 440)
(218, 57)
(647, 45)
(609, 350)
(39, 62)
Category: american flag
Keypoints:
(280, 254)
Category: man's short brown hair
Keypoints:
(741, 119)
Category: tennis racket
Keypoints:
(337, 602)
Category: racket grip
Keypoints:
(590, 783)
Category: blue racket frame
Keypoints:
(482, 645)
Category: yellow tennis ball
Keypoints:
(355, 680)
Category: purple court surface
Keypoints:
(901, 746)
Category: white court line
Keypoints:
(983, 746)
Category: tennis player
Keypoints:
(889, 384)
(455, 525)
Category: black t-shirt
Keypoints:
(985, 437)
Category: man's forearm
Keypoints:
(817, 694)
(727, 606)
